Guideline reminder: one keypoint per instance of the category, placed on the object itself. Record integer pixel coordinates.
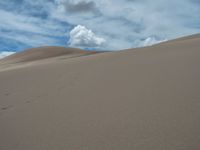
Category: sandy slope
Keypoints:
(139, 99)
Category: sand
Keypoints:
(137, 99)
(45, 52)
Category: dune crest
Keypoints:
(40, 53)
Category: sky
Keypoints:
(94, 24)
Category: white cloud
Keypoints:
(5, 54)
(150, 41)
(19, 22)
(80, 36)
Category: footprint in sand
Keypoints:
(6, 107)
(7, 94)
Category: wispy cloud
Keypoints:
(5, 54)
(31, 30)
(121, 23)
(80, 7)
(124, 23)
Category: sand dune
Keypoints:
(137, 99)
(43, 53)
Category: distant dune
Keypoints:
(43, 53)
(137, 99)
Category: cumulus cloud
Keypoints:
(150, 41)
(80, 36)
(5, 54)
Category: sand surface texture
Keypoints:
(137, 99)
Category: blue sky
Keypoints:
(95, 24)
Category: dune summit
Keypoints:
(137, 99)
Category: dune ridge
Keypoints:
(45, 52)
